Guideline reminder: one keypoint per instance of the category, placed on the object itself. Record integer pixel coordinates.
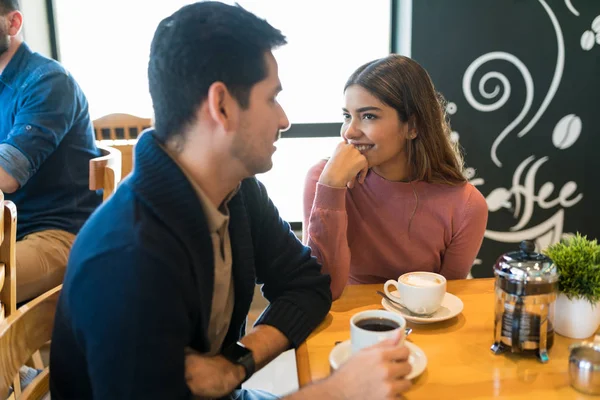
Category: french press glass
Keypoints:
(526, 289)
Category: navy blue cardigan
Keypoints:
(139, 283)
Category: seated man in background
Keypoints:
(161, 278)
(46, 143)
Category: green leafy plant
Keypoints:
(578, 262)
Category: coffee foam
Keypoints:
(420, 280)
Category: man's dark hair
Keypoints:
(198, 45)
(7, 6)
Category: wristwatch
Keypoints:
(239, 354)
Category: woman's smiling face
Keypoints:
(375, 129)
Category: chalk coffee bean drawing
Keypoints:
(587, 40)
(454, 137)
(567, 131)
(598, 37)
(596, 24)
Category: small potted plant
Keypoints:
(577, 309)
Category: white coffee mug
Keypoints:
(420, 292)
(363, 335)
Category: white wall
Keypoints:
(35, 29)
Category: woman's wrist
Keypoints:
(328, 179)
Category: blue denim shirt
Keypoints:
(46, 143)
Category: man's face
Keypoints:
(261, 123)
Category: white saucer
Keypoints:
(451, 307)
(417, 358)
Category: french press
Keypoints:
(526, 289)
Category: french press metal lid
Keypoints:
(525, 272)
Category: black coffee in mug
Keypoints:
(377, 324)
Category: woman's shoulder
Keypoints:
(461, 195)
(471, 200)
(315, 171)
(476, 200)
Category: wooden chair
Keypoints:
(8, 272)
(120, 126)
(105, 171)
(21, 335)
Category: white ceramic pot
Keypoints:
(575, 318)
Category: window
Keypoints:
(105, 44)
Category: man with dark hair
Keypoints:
(161, 278)
(46, 143)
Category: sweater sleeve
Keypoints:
(466, 241)
(325, 226)
(298, 292)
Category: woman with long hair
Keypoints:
(392, 198)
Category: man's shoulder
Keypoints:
(252, 187)
(254, 194)
(124, 221)
(39, 68)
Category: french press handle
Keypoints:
(516, 326)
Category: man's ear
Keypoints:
(222, 105)
(15, 22)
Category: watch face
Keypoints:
(236, 352)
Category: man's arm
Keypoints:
(216, 376)
(8, 184)
(266, 343)
(45, 113)
(375, 373)
(299, 294)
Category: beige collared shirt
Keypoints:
(223, 291)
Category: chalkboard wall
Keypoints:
(522, 81)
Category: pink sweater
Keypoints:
(361, 235)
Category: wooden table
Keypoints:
(460, 363)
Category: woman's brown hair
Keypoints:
(403, 84)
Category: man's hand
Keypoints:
(377, 372)
(212, 377)
(374, 373)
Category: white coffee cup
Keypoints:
(420, 292)
(361, 336)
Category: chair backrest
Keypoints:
(21, 335)
(105, 171)
(120, 126)
(8, 272)
(115, 127)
